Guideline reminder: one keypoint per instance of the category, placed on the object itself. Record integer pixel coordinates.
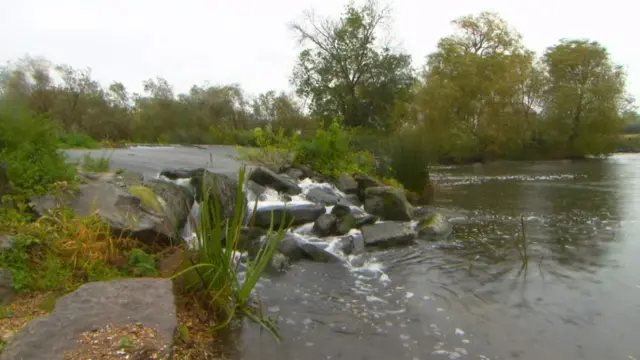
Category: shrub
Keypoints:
(330, 153)
(409, 159)
(77, 141)
(31, 150)
(274, 149)
(100, 164)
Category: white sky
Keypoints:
(248, 41)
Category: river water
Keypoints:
(471, 297)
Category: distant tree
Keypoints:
(281, 111)
(345, 71)
(585, 97)
(480, 90)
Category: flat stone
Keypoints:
(388, 234)
(147, 301)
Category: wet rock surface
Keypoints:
(268, 178)
(388, 234)
(294, 214)
(388, 203)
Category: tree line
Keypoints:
(481, 94)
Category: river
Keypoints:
(471, 298)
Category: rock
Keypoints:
(341, 210)
(345, 224)
(434, 227)
(317, 252)
(126, 179)
(123, 212)
(325, 225)
(388, 203)
(6, 242)
(226, 190)
(256, 189)
(176, 200)
(322, 195)
(365, 181)
(6, 287)
(352, 244)
(268, 178)
(288, 246)
(366, 219)
(295, 173)
(279, 262)
(5, 184)
(147, 301)
(174, 174)
(388, 234)
(250, 239)
(353, 200)
(284, 214)
(347, 184)
(412, 197)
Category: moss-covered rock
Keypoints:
(388, 203)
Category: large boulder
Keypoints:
(388, 203)
(364, 182)
(220, 186)
(123, 212)
(125, 178)
(388, 234)
(285, 214)
(174, 201)
(149, 302)
(322, 195)
(347, 184)
(434, 227)
(268, 178)
(325, 225)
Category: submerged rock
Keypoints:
(279, 262)
(325, 225)
(149, 302)
(284, 214)
(352, 244)
(347, 184)
(288, 246)
(268, 178)
(388, 203)
(174, 174)
(323, 195)
(388, 234)
(345, 224)
(256, 189)
(434, 227)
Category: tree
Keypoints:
(479, 91)
(346, 73)
(281, 111)
(585, 98)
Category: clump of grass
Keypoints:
(217, 266)
(100, 164)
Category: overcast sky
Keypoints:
(248, 41)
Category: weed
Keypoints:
(125, 343)
(101, 164)
(217, 267)
(141, 263)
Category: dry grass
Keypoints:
(132, 341)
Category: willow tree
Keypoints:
(347, 71)
(585, 100)
(480, 90)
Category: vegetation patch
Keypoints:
(147, 197)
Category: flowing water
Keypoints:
(471, 297)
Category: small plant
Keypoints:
(125, 343)
(141, 263)
(217, 267)
(101, 164)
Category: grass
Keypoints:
(217, 266)
(100, 164)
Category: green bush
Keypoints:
(77, 141)
(100, 164)
(409, 158)
(30, 148)
(330, 152)
(274, 149)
